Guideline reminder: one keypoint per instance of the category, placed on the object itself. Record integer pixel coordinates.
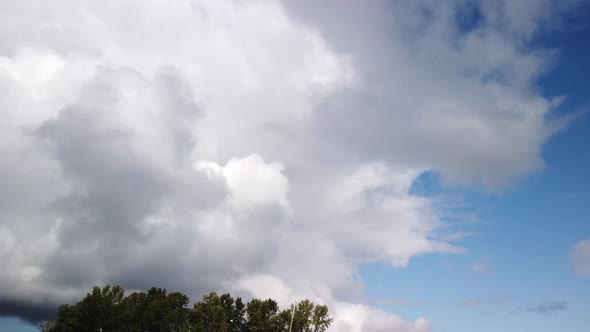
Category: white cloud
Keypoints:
(261, 146)
(580, 258)
(348, 316)
(356, 317)
(252, 182)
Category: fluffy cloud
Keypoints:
(263, 147)
(580, 258)
(463, 99)
(251, 181)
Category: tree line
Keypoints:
(108, 309)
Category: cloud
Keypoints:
(262, 147)
(542, 308)
(548, 307)
(432, 114)
(251, 181)
(362, 318)
(32, 312)
(580, 258)
(483, 268)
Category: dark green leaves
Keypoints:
(157, 310)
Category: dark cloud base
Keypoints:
(29, 312)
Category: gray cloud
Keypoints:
(27, 311)
(118, 184)
(391, 118)
(542, 308)
(548, 307)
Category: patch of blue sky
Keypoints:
(12, 324)
(523, 242)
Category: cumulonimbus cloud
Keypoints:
(225, 145)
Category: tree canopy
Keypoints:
(108, 309)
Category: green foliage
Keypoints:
(69, 318)
(209, 314)
(101, 309)
(321, 319)
(308, 317)
(263, 316)
(50, 326)
(109, 310)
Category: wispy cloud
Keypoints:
(483, 268)
(577, 195)
(541, 308)
(580, 258)
(548, 307)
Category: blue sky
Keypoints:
(16, 325)
(524, 232)
(288, 149)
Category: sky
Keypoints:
(415, 165)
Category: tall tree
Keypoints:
(264, 316)
(310, 318)
(177, 306)
(321, 319)
(302, 317)
(101, 309)
(108, 309)
(208, 315)
(135, 311)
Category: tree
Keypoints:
(134, 311)
(238, 317)
(100, 309)
(68, 320)
(320, 318)
(218, 314)
(302, 317)
(177, 310)
(109, 310)
(50, 326)
(310, 318)
(264, 316)
(209, 314)
(156, 310)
